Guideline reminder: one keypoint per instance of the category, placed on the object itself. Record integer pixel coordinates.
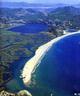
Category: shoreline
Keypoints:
(34, 62)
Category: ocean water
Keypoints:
(30, 28)
(59, 71)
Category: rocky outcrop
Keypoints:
(5, 93)
(24, 93)
(21, 93)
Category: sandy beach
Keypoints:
(34, 62)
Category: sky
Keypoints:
(46, 1)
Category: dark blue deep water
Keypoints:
(59, 70)
(30, 28)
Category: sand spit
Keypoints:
(32, 64)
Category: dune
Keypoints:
(34, 62)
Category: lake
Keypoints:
(30, 28)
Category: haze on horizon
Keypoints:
(46, 1)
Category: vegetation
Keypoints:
(66, 17)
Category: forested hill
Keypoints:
(69, 15)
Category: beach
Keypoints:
(34, 62)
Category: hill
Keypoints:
(29, 5)
(66, 16)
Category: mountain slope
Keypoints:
(27, 5)
(64, 13)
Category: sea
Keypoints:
(58, 74)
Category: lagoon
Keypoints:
(30, 28)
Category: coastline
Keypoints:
(34, 62)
